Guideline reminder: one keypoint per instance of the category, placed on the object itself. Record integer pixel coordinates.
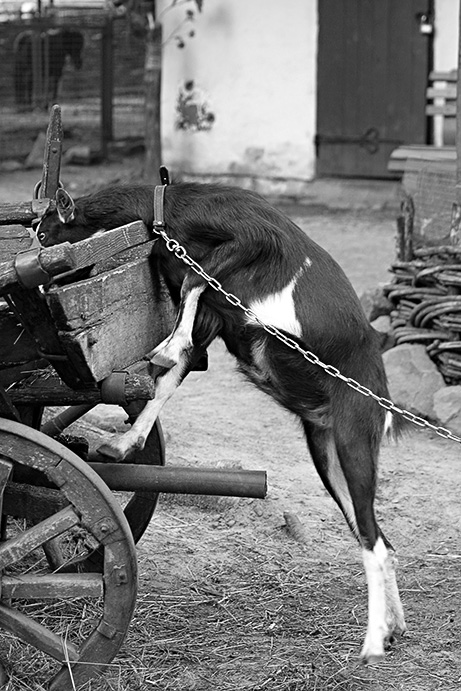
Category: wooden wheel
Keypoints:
(82, 512)
(141, 505)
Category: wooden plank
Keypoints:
(13, 239)
(413, 157)
(451, 76)
(35, 316)
(426, 152)
(35, 634)
(448, 109)
(102, 247)
(21, 545)
(112, 320)
(448, 91)
(19, 212)
(54, 586)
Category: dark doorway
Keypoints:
(373, 64)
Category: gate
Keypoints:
(84, 61)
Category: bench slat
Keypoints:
(449, 91)
(448, 109)
(451, 76)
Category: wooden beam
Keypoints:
(53, 260)
(47, 389)
(54, 586)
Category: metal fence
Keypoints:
(88, 63)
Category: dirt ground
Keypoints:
(228, 599)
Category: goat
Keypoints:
(288, 282)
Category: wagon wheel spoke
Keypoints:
(37, 635)
(72, 504)
(23, 544)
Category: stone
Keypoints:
(110, 418)
(35, 157)
(413, 379)
(382, 324)
(386, 338)
(80, 154)
(447, 407)
(10, 165)
(375, 304)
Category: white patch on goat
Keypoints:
(169, 351)
(278, 309)
(375, 562)
(388, 422)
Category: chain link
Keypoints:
(180, 252)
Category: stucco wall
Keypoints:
(251, 66)
(446, 34)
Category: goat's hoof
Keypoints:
(140, 443)
(372, 654)
(162, 360)
(111, 452)
(372, 659)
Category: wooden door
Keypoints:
(373, 63)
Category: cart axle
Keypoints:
(183, 480)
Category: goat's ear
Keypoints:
(65, 206)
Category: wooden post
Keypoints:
(152, 80)
(458, 121)
(107, 85)
(52, 155)
(455, 226)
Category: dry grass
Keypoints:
(268, 616)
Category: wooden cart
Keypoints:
(78, 342)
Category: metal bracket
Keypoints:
(40, 206)
(30, 272)
(113, 388)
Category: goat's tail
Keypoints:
(395, 426)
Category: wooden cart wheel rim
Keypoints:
(100, 514)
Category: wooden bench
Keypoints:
(441, 112)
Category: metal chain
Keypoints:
(180, 252)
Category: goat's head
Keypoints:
(63, 223)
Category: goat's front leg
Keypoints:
(121, 445)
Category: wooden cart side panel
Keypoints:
(14, 239)
(112, 320)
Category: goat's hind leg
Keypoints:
(348, 472)
(357, 453)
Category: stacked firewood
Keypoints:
(426, 293)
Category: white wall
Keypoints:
(446, 34)
(254, 65)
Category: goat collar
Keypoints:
(159, 194)
(159, 217)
